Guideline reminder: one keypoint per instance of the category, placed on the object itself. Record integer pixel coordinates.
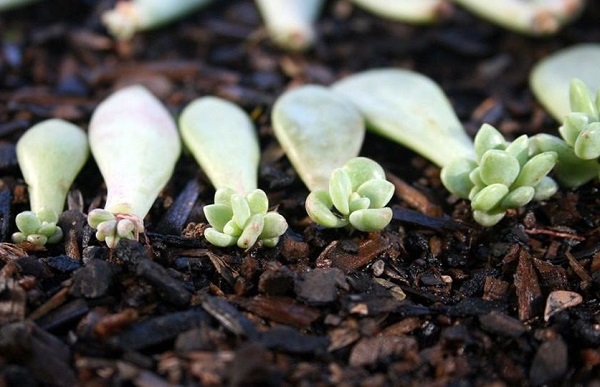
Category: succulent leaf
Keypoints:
(489, 197)
(362, 169)
(536, 168)
(545, 188)
(488, 219)
(371, 219)
(218, 215)
(456, 177)
(498, 167)
(340, 189)
(378, 191)
(488, 138)
(581, 99)
(587, 145)
(518, 197)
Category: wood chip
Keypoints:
(560, 300)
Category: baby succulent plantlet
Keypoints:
(318, 130)
(411, 11)
(531, 17)
(135, 143)
(128, 17)
(50, 156)
(579, 149)
(412, 110)
(223, 140)
(290, 22)
(242, 220)
(550, 78)
(503, 176)
(356, 198)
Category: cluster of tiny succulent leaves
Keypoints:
(581, 127)
(503, 176)
(111, 228)
(357, 195)
(37, 229)
(242, 220)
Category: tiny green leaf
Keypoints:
(232, 228)
(519, 148)
(318, 207)
(274, 226)
(456, 177)
(218, 215)
(241, 210)
(489, 197)
(545, 189)
(27, 222)
(340, 189)
(37, 239)
(581, 100)
(97, 216)
(378, 191)
(536, 168)
(498, 167)
(488, 219)
(371, 219)
(258, 201)
(251, 232)
(218, 238)
(573, 125)
(518, 197)
(587, 145)
(488, 138)
(362, 169)
(223, 196)
(360, 204)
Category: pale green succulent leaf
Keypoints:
(545, 189)
(97, 216)
(518, 197)
(37, 239)
(371, 219)
(27, 222)
(223, 196)
(519, 148)
(232, 228)
(362, 169)
(409, 108)
(319, 131)
(489, 197)
(241, 210)
(488, 219)
(218, 238)
(274, 226)
(106, 228)
(18, 237)
(112, 241)
(47, 229)
(360, 204)
(498, 167)
(218, 215)
(258, 201)
(581, 99)
(125, 229)
(378, 191)
(340, 189)
(488, 138)
(204, 125)
(573, 125)
(570, 170)
(251, 232)
(270, 242)
(475, 177)
(587, 145)
(474, 191)
(536, 168)
(318, 206)
(456, 177)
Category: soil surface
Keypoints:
(434, 299)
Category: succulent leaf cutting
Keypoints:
(242, 220)
(135, 143)
(356, 198)
(50, 156)
(503, 176)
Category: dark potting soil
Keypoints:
(434, 299)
